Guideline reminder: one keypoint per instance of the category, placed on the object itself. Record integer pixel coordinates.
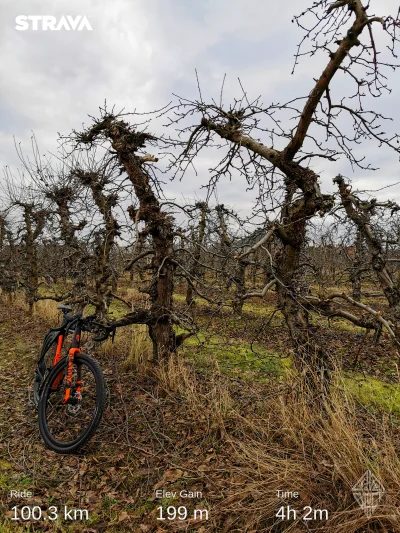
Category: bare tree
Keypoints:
(102, 272)
(32, 212)
(197, 240)
(342, 26)
(360, 213)
(126, 144)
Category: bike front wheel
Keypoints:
(67, 420)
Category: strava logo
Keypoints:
(48, 22)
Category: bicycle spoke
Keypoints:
(67, 421)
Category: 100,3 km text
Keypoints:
(52, 513)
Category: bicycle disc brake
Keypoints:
(74, 402)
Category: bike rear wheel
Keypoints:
(66, 426)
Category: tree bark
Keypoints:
(34, 222)
(159, 225)
(194, 271)
(357, 267)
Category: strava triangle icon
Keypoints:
(368, 492)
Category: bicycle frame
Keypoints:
(57, 336)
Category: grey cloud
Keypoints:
(140, 52)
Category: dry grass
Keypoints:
(132, 347)
(293, 447)
(280, 442)
(210, 398)
(175, 377)
(16, 300)
(138, 348)
(47, 309)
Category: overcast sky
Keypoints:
(140, 52)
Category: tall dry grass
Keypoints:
(287, 444)
(47, 310)
(206, 396)
(132, 347)
(321, 455)
(44, 309)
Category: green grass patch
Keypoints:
(374, 393)
(12, 527)
(251, 361)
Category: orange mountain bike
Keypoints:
(69, 390)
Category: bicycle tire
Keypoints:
(36, 390)
(41, 372)
(46, 434)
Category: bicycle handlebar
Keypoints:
(89, 324)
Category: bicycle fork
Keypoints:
(70, 367)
